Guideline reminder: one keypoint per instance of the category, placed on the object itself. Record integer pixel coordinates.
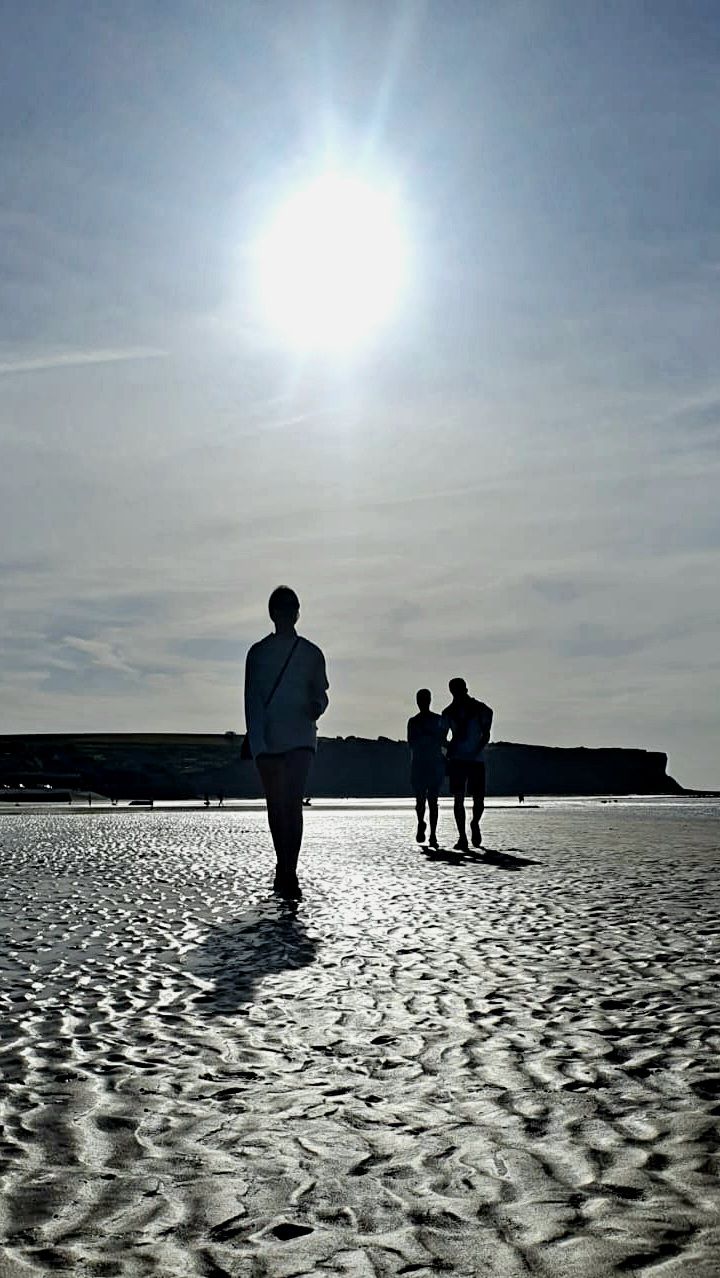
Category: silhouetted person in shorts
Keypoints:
(469, 722)
(426, 736)
(285, 694)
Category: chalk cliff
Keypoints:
(169, 765)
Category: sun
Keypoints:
(332, 263)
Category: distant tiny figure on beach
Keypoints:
(221, 798)
(285, 694)
(206, 801)
(426, 736)
(469, 722)
(521, 798)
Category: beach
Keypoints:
(493, 1066)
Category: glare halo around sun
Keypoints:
(332, 263)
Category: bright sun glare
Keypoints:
(332, 263)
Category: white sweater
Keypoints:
(288, 723)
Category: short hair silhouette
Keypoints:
(457, 685)
(423, 697)
(283, 602)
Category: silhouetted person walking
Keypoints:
(469, 722)
(426, 735)
(285, 694)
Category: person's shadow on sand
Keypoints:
(235, 956)
(486, 856)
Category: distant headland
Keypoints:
(187, 766)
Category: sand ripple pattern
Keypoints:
(500, 1068)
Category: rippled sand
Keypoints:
(501, 1067)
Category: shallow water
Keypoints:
(500, 1066)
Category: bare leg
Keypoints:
(478, 797)
(420, 799)
(433, 811)
(459, 810)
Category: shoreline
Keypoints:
(101, 805)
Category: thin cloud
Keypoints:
(77, 359)
(99, 653)
(30, 564)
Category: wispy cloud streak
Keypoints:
(76, 359)
(98, 652)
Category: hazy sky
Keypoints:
(518, 482)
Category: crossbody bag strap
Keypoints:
(285, 665)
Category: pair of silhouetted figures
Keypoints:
(454, 743)
(285, 694)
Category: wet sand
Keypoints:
(485, 1067)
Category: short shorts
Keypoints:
(467, 776)
(426, 777)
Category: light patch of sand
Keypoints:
(501, 1067)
